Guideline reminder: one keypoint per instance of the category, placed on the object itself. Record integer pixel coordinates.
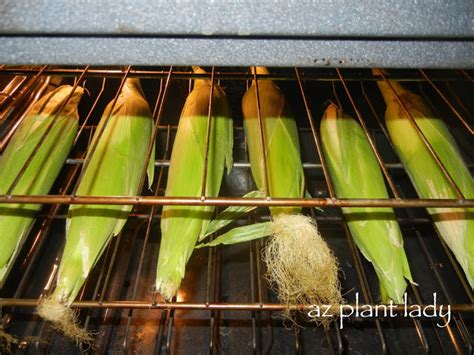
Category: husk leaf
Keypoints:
(455, 225)
(182, 226)
(15, 219)
(355, 173)
(114, 170)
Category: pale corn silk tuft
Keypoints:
(64, 319)
(301, 266)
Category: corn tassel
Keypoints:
(355, 173)
(15, 219)
(455, 225)
(115, 169)
(181, 226)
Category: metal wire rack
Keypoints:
(224, 302)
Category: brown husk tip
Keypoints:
(64, 319)
(301, 267)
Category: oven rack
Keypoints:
(458, 333)
(397, 201)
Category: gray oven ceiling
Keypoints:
(437, 34)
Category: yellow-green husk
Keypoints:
(295, 245)
(182, 226)
(38, 178)
(355, 173)
(455, 225)
(115, 169)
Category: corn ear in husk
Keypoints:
(38, 178)
(115, 169)
(355, 173)
(298, 260)
(284, 167)
(455, 225)
(182, 226)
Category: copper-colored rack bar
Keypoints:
(258, 304)
(245, 164)
(234, 201)
(314, 131)
(12, 302)
(262, 142)
(21, 106)
(208, 137)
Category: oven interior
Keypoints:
(225, 304)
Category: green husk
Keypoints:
(240, 235)
(300, 265)
(355, 173)
(230, 214)
(115, 169)
(455, 225)
(284, 167)
(182, 226)
(15, 219)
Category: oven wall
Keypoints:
(319, 33)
